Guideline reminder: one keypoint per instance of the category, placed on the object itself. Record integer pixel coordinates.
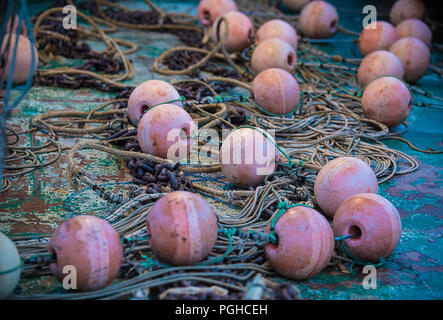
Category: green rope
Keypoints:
(20, 266)
(277, 115)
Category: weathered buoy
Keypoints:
(241, 33)
(416, 29)
(378, 63)
(276, 91)
(414, 55)
(164, 127)
(12, 25)
(318, 19)
(407, 9)
(386, 100)
(378, 35)
(209, 10)
(341, 178)
(183, 228)
(10, 264)
(277, 29)
(92, 247)
(148, 94)
(374, 222)
(23, 59)
(247, 157)
(305, 243)
(295, 5)
(273, 53)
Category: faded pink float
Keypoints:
(407, 9)
(375, 222)
(414, 55)
(23, 58)
(209, 10)
(12, 25)
(148, 94)
(241, 33)
(164, 126)
(378, 35)
(92, 246)
(273, 53)
(276, 91)
(378, 63)
(386, 100)
(305, 243)
(183, 228)
(247, 157)
(295, 5)
(277, 29)
(416, 29)
(341, 178)
(318, 19)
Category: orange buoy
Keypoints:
(341, 178)
(414, 55)
(374, 222)
(407, 9)
(273, 53)
(305, 243)
(379, 63)
(295, 5)
(92, 246)
(209, 10)
(318, 19)
(375, 36)
(183, 228)
(241, 33)
(416, 29)
(277, 29)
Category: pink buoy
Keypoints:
(318, 19)
(407, 9)
(414, 55)
(149, 94)
(375, 36)
(386, 100)
(183, 228)
(416, 29)
(92, 246)
(12, 25)
(247, 157)
(341, 178)
(209, 10)
(273, 53)
(241, 33)
(295, 5)
(277, 29)
(23, 59)
(374, 222)
(276, 91)
(305, 243)
(166, 128)
(378, 63)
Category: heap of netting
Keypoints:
(215, 90)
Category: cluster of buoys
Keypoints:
(400, 49)
(25, 50)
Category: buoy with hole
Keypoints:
(378, 63)
(386, 100)
(416, 29)
(241, 33)
(209, 10)
(273, 53)
(318, 19)
(341, 178)
(276, 91)
(379, 35)
(407, 9)
(10, 266)
(149, 94)
(90, 245)
(165, 131)
(277, 29)
(414, 55)
(247, 157)
(23, 68)
(305, 243)
(374, 222)
(183, 228)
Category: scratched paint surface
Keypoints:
(35, 203)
